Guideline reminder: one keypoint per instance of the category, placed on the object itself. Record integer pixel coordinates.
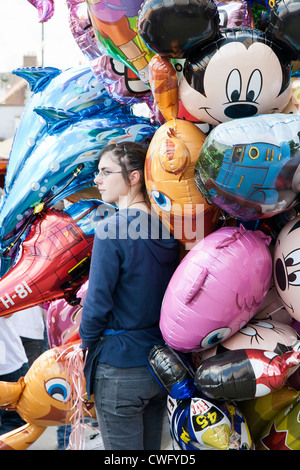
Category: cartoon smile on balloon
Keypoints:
(242, 87)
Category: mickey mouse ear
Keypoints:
(283, 27)
(171, 28)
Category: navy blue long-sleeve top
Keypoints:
(131, 267)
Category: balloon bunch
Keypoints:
(68, 120)
(236, 77)
(196, 422)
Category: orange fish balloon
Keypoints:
(48, 395)
(169, 174)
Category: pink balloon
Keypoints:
(219, 285)
(234, 14)
(45, 9)
(82, 29)
(63, 319)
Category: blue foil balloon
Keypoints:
(76, 91)
(64, 162)
(249, 167)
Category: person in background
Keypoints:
(133, 259)
(30, 326)
(13, 365)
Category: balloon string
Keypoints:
(75, 174)
(274, 311)
(75, 378)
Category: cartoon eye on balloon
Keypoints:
(193, 317)
(163, 201)
(215, 337)
(286, 270)
(228, 73)
(169, 175)
(59, 389)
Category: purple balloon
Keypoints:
(82, 29)
(217, 288)
(45, 9)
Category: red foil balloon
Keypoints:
(54, 263)
(246, 373)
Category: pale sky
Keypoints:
(21, 34)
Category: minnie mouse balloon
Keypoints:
(218, 286)
(249, 167)
(268, 335)
(246, 373)
(286, 267)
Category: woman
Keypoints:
(132, 262)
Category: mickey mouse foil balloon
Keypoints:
(229, 72)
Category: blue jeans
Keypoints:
(130, 406)
(63, 436)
